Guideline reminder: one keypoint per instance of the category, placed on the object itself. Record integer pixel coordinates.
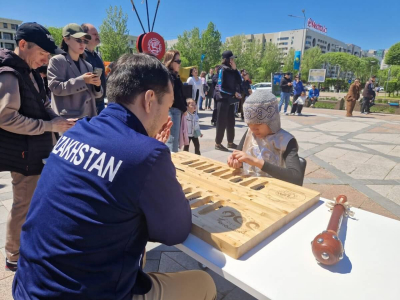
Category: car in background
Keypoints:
(262, 86)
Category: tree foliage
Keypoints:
(189, 45)
(211, 46)
(270, 62)
(366, 67)
(114, 34)
(311, 60)
(288, 63)
(56, 33)
(345, 61)
(393, 55)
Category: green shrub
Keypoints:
(383, 109)
(324, 105)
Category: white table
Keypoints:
(283, 266)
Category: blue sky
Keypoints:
(368, 24)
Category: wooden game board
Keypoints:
(233, 212)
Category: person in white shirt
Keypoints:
(298, 104)
(193, 126)
(197, 86)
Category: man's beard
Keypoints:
(154, 128)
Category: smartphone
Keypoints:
(98, 71)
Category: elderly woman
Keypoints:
(266, 149)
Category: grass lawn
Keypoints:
(383, 109)
(392, 97)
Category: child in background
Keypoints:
(298, 104)
(193, 126)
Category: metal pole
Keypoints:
(148, 19)
(140, 21)
(155, 15)
(302, 42)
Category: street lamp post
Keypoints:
(302, 42)
(372, 64)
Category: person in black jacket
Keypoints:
(172, 60)
(286, 88)
(245, 89)
(214, 84)
(229, 81)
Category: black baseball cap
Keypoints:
(288, 73)
(228, 54)
(36, 33)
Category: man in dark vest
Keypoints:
(26, 124)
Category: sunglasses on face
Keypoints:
(178, 61)
(79, 41)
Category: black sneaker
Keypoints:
(232, 145)
(221, 148)
(11, 265)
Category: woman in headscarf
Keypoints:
(266, 149)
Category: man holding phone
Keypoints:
(95, 60)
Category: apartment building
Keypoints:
(8, 29)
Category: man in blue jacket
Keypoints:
(313, 95)
(108, 187)
(297, 88)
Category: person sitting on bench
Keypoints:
(266, 149)
(313, 95)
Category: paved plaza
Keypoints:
(358, 157)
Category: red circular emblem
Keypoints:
(154, 44)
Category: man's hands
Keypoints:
(237, 158)
(165, 131)
(91, 78)
(290, 84)
(61, 125)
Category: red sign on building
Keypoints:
(319, 27)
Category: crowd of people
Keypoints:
(225, 85)
(78, 227)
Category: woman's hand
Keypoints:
(91, 78)
(243, 157)
(234, 163)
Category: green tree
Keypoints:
(288, 62)
(311, 60)
(56, 33)
(211, 46)
(270, 62)
(114, 34)
(345, 61)
(393, 55)
(252, 56)
(189, 45)
(367, 66)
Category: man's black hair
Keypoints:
(134, 74)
